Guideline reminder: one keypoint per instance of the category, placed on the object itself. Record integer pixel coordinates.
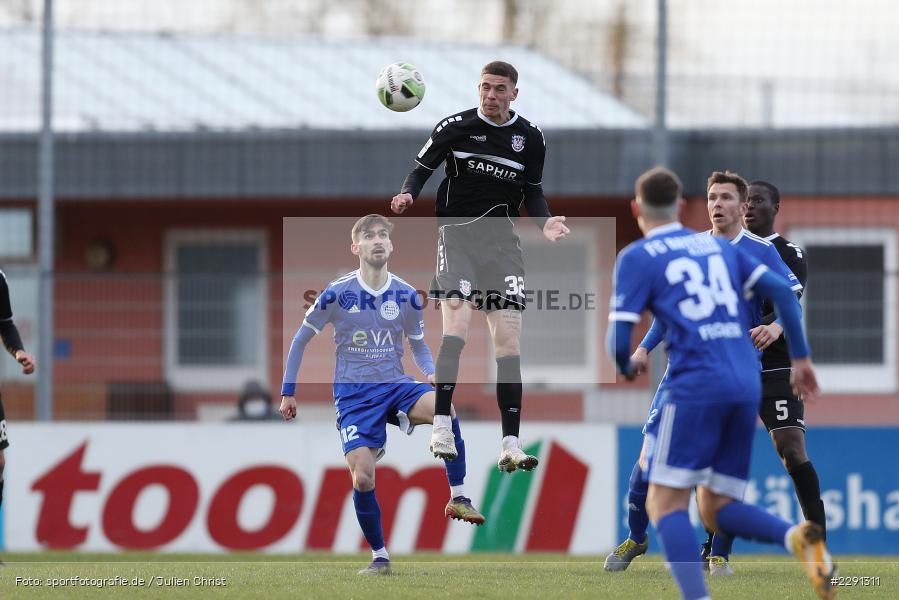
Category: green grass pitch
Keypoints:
(431, 576)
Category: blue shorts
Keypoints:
(362, 410)
(703, 443)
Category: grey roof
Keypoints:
(114, 81)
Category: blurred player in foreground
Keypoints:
(372, 310)
(726, 204)
(695, 285)
(9, 334)
(494, 164)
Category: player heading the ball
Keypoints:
(494, 164)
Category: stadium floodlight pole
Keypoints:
(46, 226)
(658, 360)
(660, 129)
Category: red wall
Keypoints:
(125, 340)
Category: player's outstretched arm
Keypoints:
(412, 187)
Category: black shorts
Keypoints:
(480, 264)
(780, 408)
(4, 440)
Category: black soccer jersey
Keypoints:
(9, 335)
(5, 304)
(487, 165)
(776, 355)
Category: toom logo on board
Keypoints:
(285, 488)
(59, 486)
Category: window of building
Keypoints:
(16, 233)
(216, 318)
(849, 306)
(560, 328)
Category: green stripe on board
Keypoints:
(504, 501)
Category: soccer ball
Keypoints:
(400, 87)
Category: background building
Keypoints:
(195, 144)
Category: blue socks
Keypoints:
(751, 523)
(679, 541)
(455, 469)
(722, 545)
(369, 515)
(637, 519)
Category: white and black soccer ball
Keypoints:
(400, 87)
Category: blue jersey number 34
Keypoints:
(704, 297)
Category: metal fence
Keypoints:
(228, 115)
(116, 357)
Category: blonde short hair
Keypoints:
(367, 223)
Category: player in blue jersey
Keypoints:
(371, 311)
(695, 286)
(726, 204)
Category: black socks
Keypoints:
(808, 490)
(508, 393)
(446, 372)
